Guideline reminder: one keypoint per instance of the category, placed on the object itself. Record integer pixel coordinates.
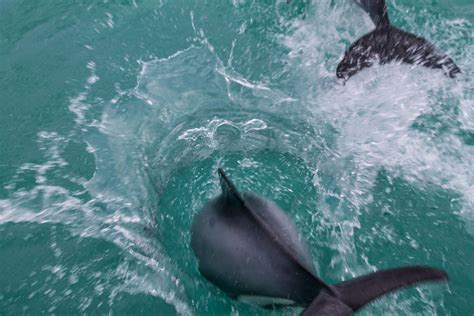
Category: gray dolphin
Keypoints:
(389, 44)
(251, 250)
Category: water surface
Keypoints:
(114, 116)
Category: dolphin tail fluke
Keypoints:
(355, 293)
(359, 291)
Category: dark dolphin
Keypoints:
(251, 250)
(389, 44)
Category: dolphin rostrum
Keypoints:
(389, 44)
(250, 249)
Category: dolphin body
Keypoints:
(251, 250)
(389, 44)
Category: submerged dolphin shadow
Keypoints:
(250, 249)
(389, 44)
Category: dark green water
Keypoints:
(114, 116)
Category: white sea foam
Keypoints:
(372, 115)
(376, 110)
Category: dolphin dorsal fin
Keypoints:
(229, 189)
(377, 10)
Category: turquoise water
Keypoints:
(114, 116)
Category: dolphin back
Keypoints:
(389, 44)
(272, 221)
(248, 247)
